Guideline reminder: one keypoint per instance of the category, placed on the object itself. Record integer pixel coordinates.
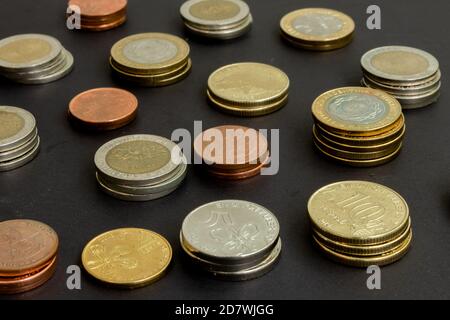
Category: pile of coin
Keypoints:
(358, 126)
(411, 75)
(103, 109)
(218, 19)
(99, 15)
(19, 139)
(360, 223)
(34, 59)
(127, 258)
(239, 152)
(28, 251)
(151, 59)
(232, 239)
(140, 167)
(317, 29)
(248, 89)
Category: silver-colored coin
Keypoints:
(19, 162)
(137, 160)
(16, 127)
(150, 51)
(27, 52)
(419, 101)
(223, 34)
(19, 151)
(317, 24)
(230, 231)
(399, 63)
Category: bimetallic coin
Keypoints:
(21, 161)
(16, 127)
(227, 34)
(127, 257)
(21, 150)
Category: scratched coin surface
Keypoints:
(358, 212)
(127, 257)
(230, 229)
(25, 246)
(16, 127)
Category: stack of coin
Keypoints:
(218, 19)
(34, 59)
(28, 251)
(103, 109)
(411, 75)
(232, 239)
(100, 15)
(358, 126)
(151, 59)
(127, 258)
(360, 223)
(19, 139)
(239, 152)
(248, 89)
(317, 29)
(140, 167)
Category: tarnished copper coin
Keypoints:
(99, 8)
(104, 108)
(26, 246)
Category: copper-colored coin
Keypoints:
(104, 26)
(99, 8)
(240, 174)
(25, 247)
(104, 108)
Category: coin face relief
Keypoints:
(215, 9)
(150, 51)
(317, 24)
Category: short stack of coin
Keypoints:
(19, 139)
(411, 75)
(218, 19)
(100, 15)
(140, 167)
(34, 59)
(242, 154)
(151, 59)
(317, 29)
(357, 126)
(28, 251)
(248, 89)
(232, 239)
(360, 223)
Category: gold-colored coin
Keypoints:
(356, 111)
(127, 257)
(358, 212)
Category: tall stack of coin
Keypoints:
(239, 152)
(127, 258)
(411, 75)
(28, 251)
(151, 59)
(360, 223)
(34, 59)
(218, 19)
(248, 89)
(19, 139)
(140, 167)
(357, 126)
(317, 29)
(100, 15)
(232, 239)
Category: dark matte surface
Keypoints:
(59, 186)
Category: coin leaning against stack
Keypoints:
(28, 252)
(140, 167)
(357, 126)
(410, 75)
(100, 15)
(151, 59)
(34, 59)
(19, 139)
(360, 223)
(218, 19)
(248, 89)
(232, 240)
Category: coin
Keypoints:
(16, 127)
(21, 161)
(21, 150)
(104, 108)
(100, 15)
(240, 174)
(127, 257)
(228, 34)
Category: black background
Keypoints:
(59, 186)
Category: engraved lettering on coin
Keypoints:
(214, 10)
(400, 63)
(10, 124)
(317, 24)
(357, 108)
(138, 157)
(25, 50)
(150, 51)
